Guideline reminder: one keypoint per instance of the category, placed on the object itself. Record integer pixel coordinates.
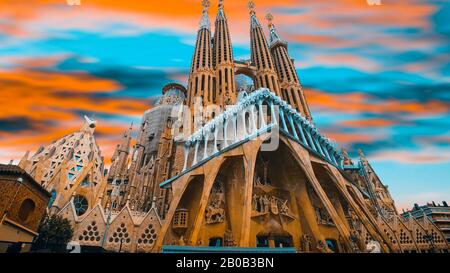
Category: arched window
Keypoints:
(180, 218)
(26, 209)
(81, 204)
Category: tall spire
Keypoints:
(200, 78)
(205, 22)
(274, 37)
(266, 75)
(89, 125)
(221, 12)
(254, 22)
(225, 87)
(120, 157)
(291, 89)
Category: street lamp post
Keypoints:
(120, 246)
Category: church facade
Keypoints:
(219, 166)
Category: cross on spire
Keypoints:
(269, 18)
(204, 22)
(251, 6)
(206, 4)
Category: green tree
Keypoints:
(54, 233)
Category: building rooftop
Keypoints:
(14, 169)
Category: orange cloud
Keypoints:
(358, 102)
(48, 103)
(317, 14)
(375, 122)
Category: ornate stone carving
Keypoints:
(322, 247)
(228, 239)
(215, 212)
(323, 217)
(264, 204)
(305, 243)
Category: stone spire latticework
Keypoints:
(225, 85)
(120, 157)
(291, 89)
(205, 22)
(201, 73)
(266, 75)
(71, 166)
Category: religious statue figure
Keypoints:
(255, 202)
(228, 238)
(274, 205)
(214, 213)
(284, 207)
(305, 241)
(354, 239)
(322, 247)
(266, 203)
(181, 241)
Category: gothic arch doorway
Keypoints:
(276, 218)
(186, 212)
(223, 214)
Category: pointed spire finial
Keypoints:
(204, 22)
(221, 12)
(206, 4)
(89, 124)
(269, 18)
(274, 37)
(251, 6)
(254, 22)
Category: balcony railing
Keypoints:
(255, 114)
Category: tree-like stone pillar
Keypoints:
(253, 119)
(272, 113)
(197, 143)
(311, 142)
(283, 119)
(216, 131)
(302, 134)
(205, 139)
(186, 155)
(262, 121)
(294, 132)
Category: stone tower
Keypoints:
(225, 91)
(266, 75)
(120, 156)
(202, 73)
(70, 167)
(291, 89)
(152, 159)
(118, 172)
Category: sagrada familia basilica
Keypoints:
(249, 171)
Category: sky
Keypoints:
(377, 77)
